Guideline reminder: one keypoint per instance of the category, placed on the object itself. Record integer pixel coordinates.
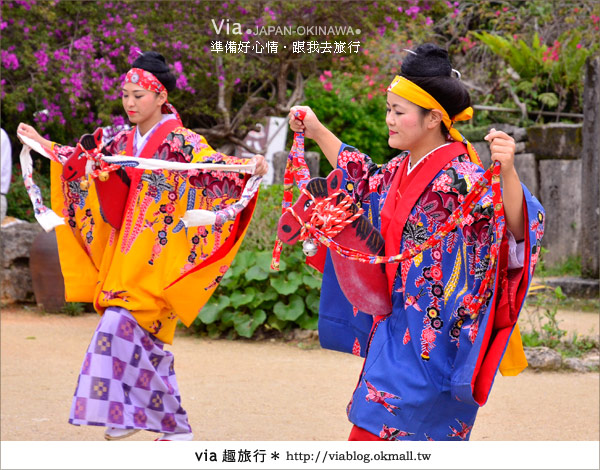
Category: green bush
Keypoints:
(542, 76)
(353, 110)
(74, 309)
(252, 296)
(545, 325)
(263, 227)
(18, 202)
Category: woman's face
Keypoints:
(141, 105)
(404, 121)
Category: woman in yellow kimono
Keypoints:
(126, 249)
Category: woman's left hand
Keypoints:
(502, 148)
(261, 165)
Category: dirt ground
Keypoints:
(265, 390)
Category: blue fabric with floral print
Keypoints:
(416, 382)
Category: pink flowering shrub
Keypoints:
(63, 62)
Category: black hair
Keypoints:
(156, 64)
(429, 67)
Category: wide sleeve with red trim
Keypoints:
(83, 239)
(475, 367)
(211, 249)
(341, 326)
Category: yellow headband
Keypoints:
(415, 94)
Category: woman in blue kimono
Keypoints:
(431, 362)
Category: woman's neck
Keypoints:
(425, 147)
(149, 123)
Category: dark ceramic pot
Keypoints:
(47, 279)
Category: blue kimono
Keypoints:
(428, 366)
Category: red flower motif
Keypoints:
(436, 273)
(428, 335)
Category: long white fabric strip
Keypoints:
(33, 145)
(195, 218)
(192, 218)
(46, 217)
(154, 164)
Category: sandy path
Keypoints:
(246, 390)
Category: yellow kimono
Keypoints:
(152, 266)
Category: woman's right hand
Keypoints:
(29, 131)
(313, 129)
(310, 124)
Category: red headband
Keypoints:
(149, 82)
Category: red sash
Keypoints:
(404, 192)
(360, 434)
(113, 194)
(510, 290)
(160, 134)
(149, 150)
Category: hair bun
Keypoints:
(427, 60)
(156, 64)
(152, 62)
(428, 66)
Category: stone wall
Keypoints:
(557, 149)
(280, 162)
(15, 280)
(590, 173)
(548, 160)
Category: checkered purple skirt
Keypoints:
(127, 380)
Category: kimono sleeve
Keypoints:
(188, 290)
(82, 240)
(361, 175)
(341, 327)
(476, 369)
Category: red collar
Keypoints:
(404, 192)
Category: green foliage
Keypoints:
(353, 111)
(547, 331)
(570, 267)
(71, 57)
(542, 76)
(18, 202)
(263, 227)
(578, 346)
(545, 325)
(252, 296)
(74, 309)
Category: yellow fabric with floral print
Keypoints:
(148, 266)
(79, 262)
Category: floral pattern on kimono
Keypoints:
(425, 354)
(153, 261)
